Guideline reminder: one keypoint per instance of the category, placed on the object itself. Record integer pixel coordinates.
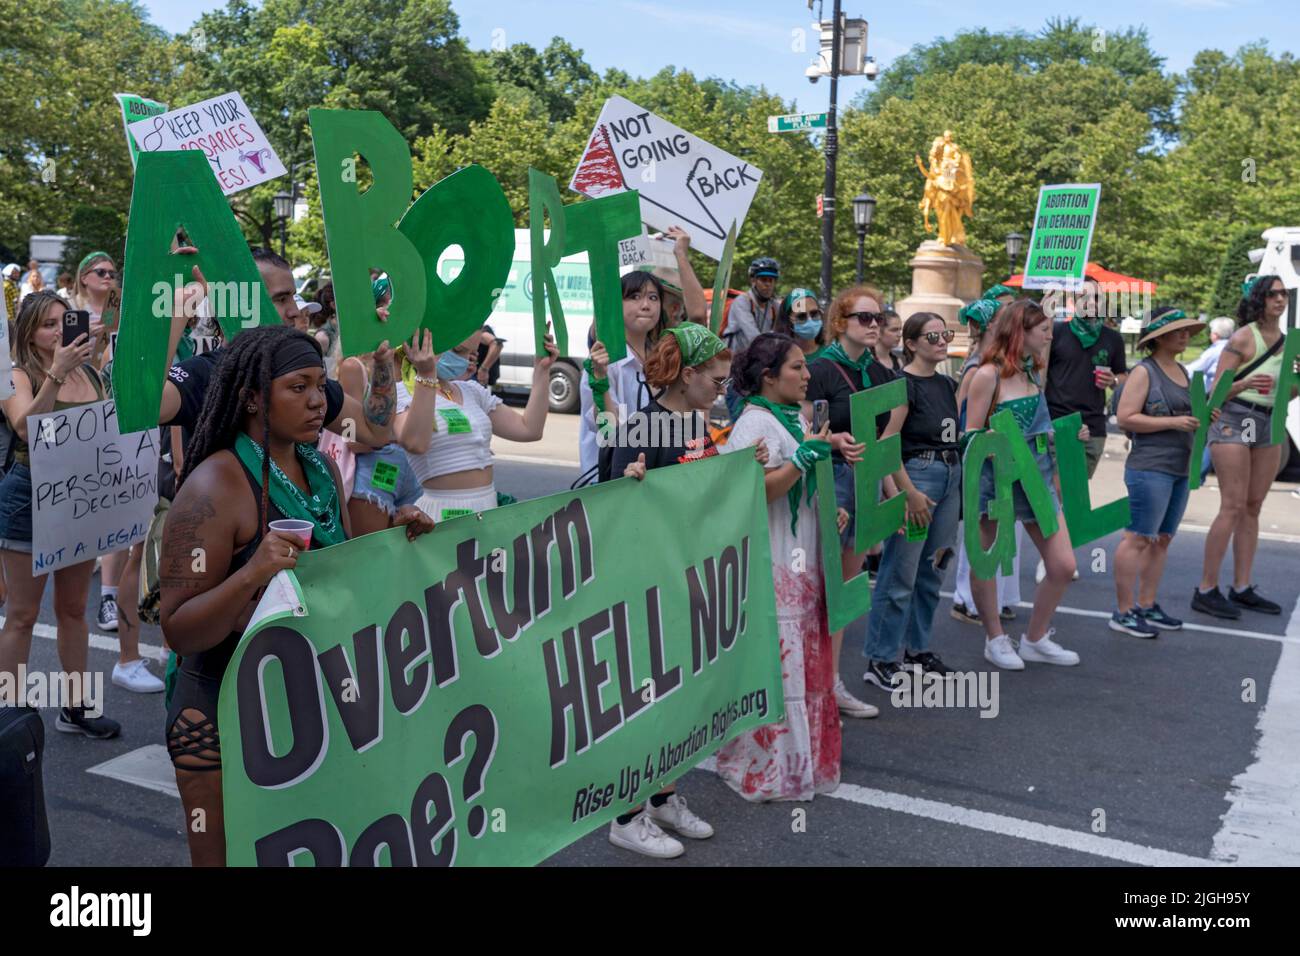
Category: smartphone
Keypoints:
(76, 322)
(821, 414)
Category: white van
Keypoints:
(512, 321)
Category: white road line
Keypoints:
(149, 767)
(1287, 638)
(101, 642)
(1079, 841)
(1262, 825)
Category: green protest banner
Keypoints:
(1202, 410)
(134, 109)
(721, 281)
(1062, 236)
(876, 520)
(846, 601)
(498, 688)
(1085, 523)
(177, 190)
(1001, 507)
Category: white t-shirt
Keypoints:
(462, 436)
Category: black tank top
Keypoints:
(211, 664)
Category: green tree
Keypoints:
(1235, 267)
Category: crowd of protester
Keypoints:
(280, 425)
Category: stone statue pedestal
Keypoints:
(944, 279)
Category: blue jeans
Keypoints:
(907, 586)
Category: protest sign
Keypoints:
(1086, 524)
(1203, 408)
(6, 360)
(134, 109)
(93, 488)
(993, 446)
(876, 520)
(846, 601)
(494, 690)
(682, 179)
(1062, 236)
(225, 130)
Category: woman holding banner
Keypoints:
(1245, 457)
(47, 376)
(1008, 379)
(979, 317)
(251, 461)
(800, 756)
(1155, 408)
(913, 565)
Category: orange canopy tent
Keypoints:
(1106, 278)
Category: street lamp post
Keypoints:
(832, 147)
(283, 210)
(1015, 242)
(864, 210)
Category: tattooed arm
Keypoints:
(374, 421)
(200, 605)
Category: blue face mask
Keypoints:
(451, 366)
(808, 329)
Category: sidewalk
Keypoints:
(559, 446)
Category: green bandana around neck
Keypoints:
(697, 343)
(788, 416)
(1087, 331)
(835, 352)
(321, 508)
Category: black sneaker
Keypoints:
(1156, 617)
(928, 662)
(1132, 623)
(964, 614)
(1251, 601)
(73, 720)
(883, 674)
(1214, 604)
(1006, 613)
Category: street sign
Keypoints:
(796, 122)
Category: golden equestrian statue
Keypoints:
(949, 189)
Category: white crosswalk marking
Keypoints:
(147, 767)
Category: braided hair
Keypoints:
(244, 371)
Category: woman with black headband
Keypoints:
(251, 460)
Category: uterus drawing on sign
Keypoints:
(257, 157)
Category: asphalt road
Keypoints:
(1150, 733)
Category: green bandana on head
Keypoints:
(1163, 319)
(1087, 331)
(979, 313)
(993, 293)
(381, 287)
(797, 294)
(696, 342)
(91, 258)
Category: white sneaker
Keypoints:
(643, 836)
(1002, 653)
(1047, 651)
(850, 706)
(136, 677)
(676, 816)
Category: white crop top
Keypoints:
(462, 437)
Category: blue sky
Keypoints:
(750, 41)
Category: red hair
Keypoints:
(1009, 325)
(663, 365)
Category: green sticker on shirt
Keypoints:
(384, 477)
(449, 513)
(457, 421)
(1042, 444)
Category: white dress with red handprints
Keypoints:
(800, 755)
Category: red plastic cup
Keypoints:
(297, 527)
(1097, 374)
(1267, 386)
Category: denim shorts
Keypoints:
(1024, 513)
(395, 488)
(1237, 422)
(16, 509)
(1156, 501)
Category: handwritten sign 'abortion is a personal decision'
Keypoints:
(227, 133)
(93, 489)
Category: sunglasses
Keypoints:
(1275, 294)
(722, 383)
(802, 316)
(105, 273)
(933, 337)
(867, 318)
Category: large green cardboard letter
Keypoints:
(1202, 410)
(876, 520)
(545, 254)
(1001, 508)
(360, 228)
(1084, 522)
(1027, 473)
(595, 227)
(468, 209)
(1286, 380)
(176, 189)
(846, 601)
